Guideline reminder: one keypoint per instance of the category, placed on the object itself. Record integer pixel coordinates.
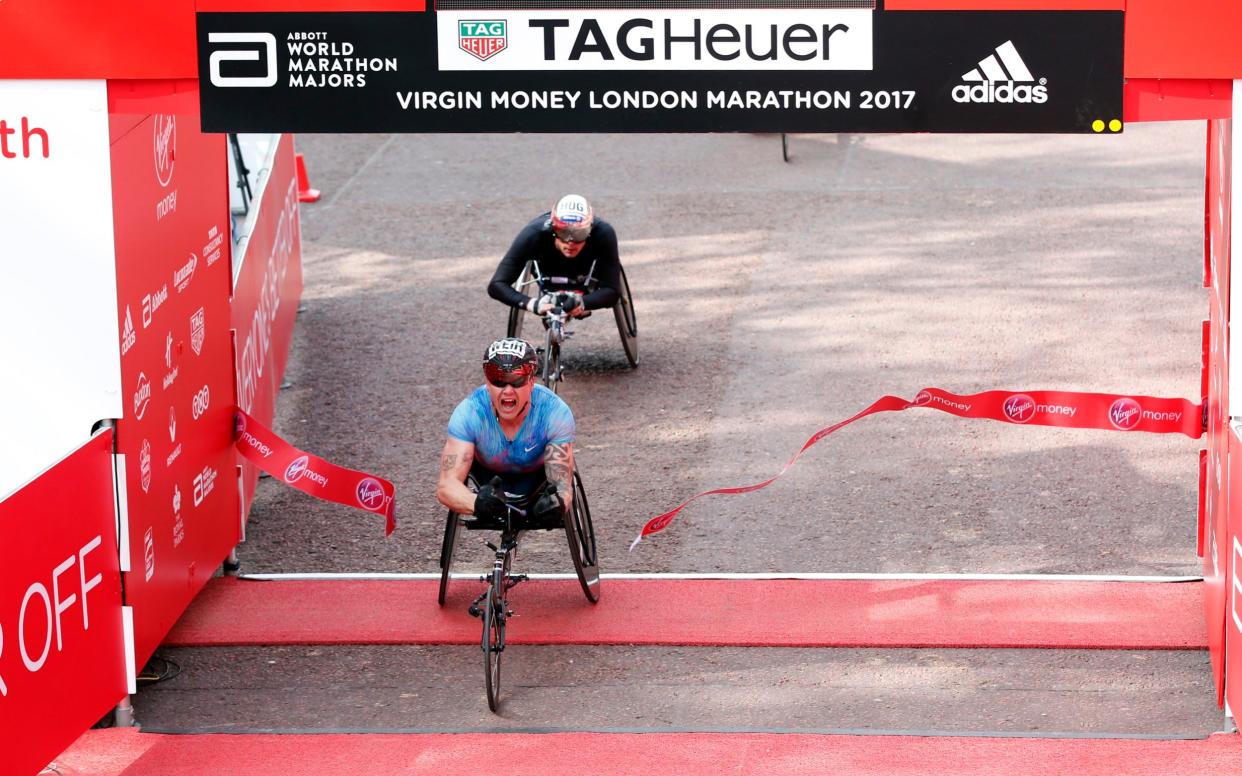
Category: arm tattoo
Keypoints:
(448, 462)
(558, 465)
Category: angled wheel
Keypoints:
(516, 316)
(581, 534)
(627, 321)
(493, 644)
(551, 365)
(452, 529)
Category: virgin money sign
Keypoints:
(62, 659)
(172, 265)
(488, 66)
(311, 474)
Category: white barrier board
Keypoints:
(59, 335)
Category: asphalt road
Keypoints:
(773, 299)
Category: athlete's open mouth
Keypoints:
(508, 404)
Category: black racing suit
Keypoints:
(535, 242)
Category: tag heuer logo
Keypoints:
(482, 39)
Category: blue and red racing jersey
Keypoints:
(549, 421)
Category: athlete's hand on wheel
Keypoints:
(489, 502)
(549, 503)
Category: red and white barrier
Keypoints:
(62, 647)
(267, 286)
(172, 271)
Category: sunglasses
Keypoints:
(519, 382)
(572, 237)
(503, 379)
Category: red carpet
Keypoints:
(790, 613)
(686, 754)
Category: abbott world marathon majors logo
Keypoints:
(311, 58)
(611, 38)
(1001, 77)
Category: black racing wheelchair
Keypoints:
(492, 605)
(555, 321)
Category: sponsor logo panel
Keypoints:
(655, 39)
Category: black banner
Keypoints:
(614, 69)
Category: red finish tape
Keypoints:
(1112, 412)
(311, 474)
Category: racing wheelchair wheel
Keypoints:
(627, 322)
(581, 534)
(452, 529)
(516, 315)
(551, 354)
(495, 612)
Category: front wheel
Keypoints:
(493, 643)
(551, 378)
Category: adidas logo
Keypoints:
(127, 333)
(1001, 77)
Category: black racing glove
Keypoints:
(549, 503)
(489, 502)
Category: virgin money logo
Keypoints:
(165, 148)
(923, 398)
(1019, 408)
(142, 396)
(370, 493)
(295, 470)
(300, 469)
(1125, 414)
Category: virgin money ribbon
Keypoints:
(311, 474)
(1111, 412)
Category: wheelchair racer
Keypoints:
(570, 245)
(515, 436)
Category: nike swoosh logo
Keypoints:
(532, 447)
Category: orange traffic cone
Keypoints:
(305, 192)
